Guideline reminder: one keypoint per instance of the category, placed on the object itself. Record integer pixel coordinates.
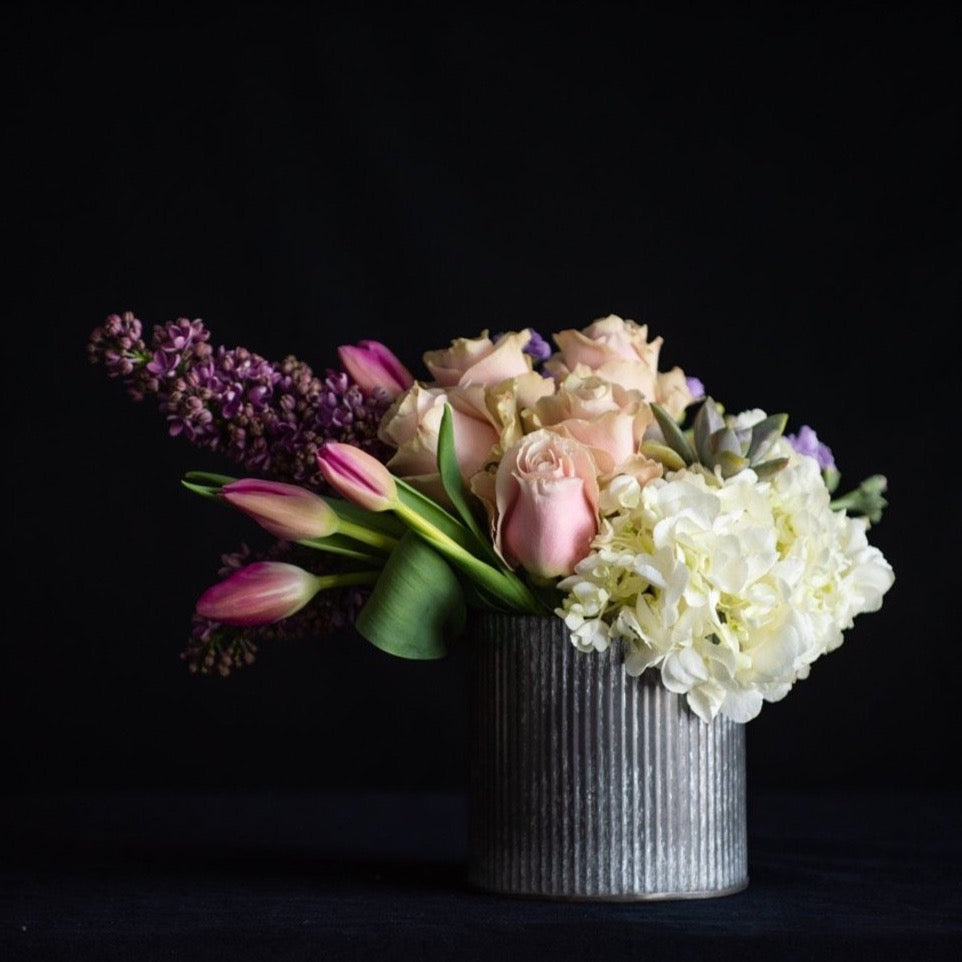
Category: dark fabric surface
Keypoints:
(264, 875)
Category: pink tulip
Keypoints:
(357, 475)
(259, 594)
(287, 511)
(547, 504)
(372, 365)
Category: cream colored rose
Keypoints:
(480, 360)
(618, 350)
(412, 423)
(595, 412)
(509, 402)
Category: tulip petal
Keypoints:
(357, 475)
(373, 365)
(258, 594)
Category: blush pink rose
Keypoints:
(480, 360)
(619, 351)
(546, 501)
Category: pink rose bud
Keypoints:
(372, 365)
(259, 594)
(287, 511)
(547, 503)
(357, 475)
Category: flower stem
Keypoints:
(505, 586)
(346, 579)
(358, 532)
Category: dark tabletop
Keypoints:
(381, 875)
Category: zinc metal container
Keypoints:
(587, 783)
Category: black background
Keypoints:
(774, 193)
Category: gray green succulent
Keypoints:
(715, 444)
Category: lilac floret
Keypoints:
(807, 442)
(268, 418)
(695, 388)
(537, 347)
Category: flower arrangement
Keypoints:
(567, 478)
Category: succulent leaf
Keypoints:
(767, 468)
(724, 441)
(731, 463)
(657, 451)
(674, 437)
(718, 447)
(764, 434)
(708, 420)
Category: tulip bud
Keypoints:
(372, 365)
(287, 511)
(357, 475)
(259, 594)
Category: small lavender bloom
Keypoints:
(807, 442)
(213, 647)
(268, 418)
(695, 387)
(537, 347)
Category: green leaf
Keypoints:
(207, 477)
(767, 468)
(657, 451)
(723, 441)
(730, 463)
(382, 521)
(346, 547)
(205, 484)
(416, 609)
(455, 489)
(868, 498)
(674, 437)
(764, 434)
(832, 477)
(433, 514)
(707, 421)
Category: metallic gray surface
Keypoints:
(587, 783)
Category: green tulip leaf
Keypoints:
(205, 484)
(416, 609)
(382, 521)
(455, 489)
(346, 547)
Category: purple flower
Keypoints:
(269, 418)
(807, 442)
(537, 347)
(695, 388)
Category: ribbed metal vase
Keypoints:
(587, 783)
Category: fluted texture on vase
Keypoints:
(587, 783)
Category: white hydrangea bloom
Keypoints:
(731, 589)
